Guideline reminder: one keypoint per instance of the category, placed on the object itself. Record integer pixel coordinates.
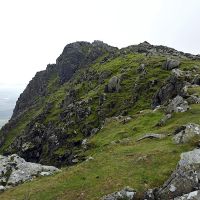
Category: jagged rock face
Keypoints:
(173, 87)
(78, 55)
(184, 179)
(75, 56)
(15, 170)
(39, 143)
(36, 88)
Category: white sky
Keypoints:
(33, 33)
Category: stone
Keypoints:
(164, 120)
(170, 64)
(141, 69)
(196, 80)
(184, 179)
(15, 170)
(178, 104)
(193, 99)
(151, 136)
(172, 87)
(195, 195)
(127, 193)
(186, 133)
(113, 85)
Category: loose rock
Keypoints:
(152, 136)
(127, 193)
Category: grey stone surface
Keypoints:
(171, 64)
(15, 170)
(127, 193)
(152, 136)
(195, 195)
(186, 133)
(184, 179)
(113, 85)
(178, 104)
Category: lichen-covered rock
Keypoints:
(171, 64)
(15, 170)
(186, 133)
(127, 193)
(178, 104)
(184, 179)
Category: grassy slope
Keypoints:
(141, 165)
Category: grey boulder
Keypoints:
(186, 133)
(170, 64)
(113, 85)
(184, 179)
(15, 170)
(178, 104)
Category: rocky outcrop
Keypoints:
(192, 99)
(113, 85)
(173, 86)
(150, 50)
(171, 64)
(79, 55)
(178, 104)
(184, 133)
(15, 170)
(184, 179)
(127, 193)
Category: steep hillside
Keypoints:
(89, 112)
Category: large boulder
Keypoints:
(170, 64)
(15, 170)
(178, 104)
(171, 88)
(185, 133)
(113, 85)
(127, 193)
(184, 179)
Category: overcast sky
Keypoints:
(33, 33)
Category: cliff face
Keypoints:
(70, 101)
